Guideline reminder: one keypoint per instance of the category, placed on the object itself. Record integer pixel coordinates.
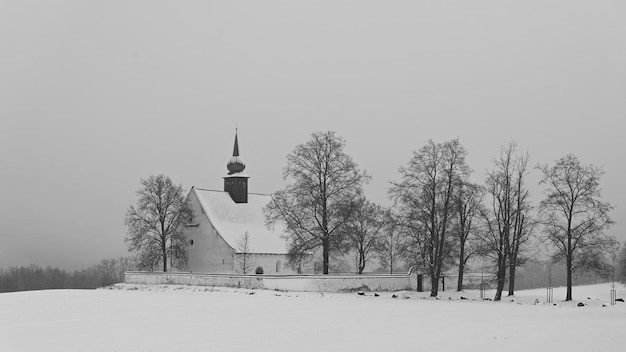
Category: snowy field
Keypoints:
(183, 318)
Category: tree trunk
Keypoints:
(499, 288)
(568, 296)
(568, 255)
(501, 278)
(512, 268)
(568, 259)
(459, 286)
(434, 285)
(164, 250)
(164, 246)
(325, 253)
(512, 278)
(361, 262)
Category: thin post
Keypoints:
(613, 292)
(482, 285)
(549, 295)
(613, 296)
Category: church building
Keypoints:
(228, 234)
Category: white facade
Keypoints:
(215, 232)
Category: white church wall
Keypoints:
(207, 251)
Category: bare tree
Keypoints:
(504, 232)
(468, 203)
(106, 272)
(155, 224)
(149, 258)
(575, 218)
(363, 229)
(425, 200)
(314, 207)
(244, 260)
(125, 264)
(523, 224)
(300, 255)
(390, 248)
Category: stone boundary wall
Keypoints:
(311, 283)
(193, 279)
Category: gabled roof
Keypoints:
(232, 219)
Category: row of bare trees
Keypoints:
(439, 218)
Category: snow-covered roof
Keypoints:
(232, 219)
(237, 174)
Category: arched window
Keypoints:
(259, 270)
(278, 266)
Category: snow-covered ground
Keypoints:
(184, 318)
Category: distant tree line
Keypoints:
(34, 277)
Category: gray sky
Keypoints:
(95, 95)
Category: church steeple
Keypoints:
(235, 164)
(236, 148)
(236, 183)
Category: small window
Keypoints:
(191, 242)
(278, 266)
(259, 270)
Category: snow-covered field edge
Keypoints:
(128, 317)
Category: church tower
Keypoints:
(236, 182)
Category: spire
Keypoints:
(236, 149)
(235, 164)
(236, 183)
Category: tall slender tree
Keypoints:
(424, 198)
(326, 181)
(155, 224)
(575, 218)
(523, 223)
(503, 220)
(390, 249)
(468, 206)
(244, 260)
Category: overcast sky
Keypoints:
(95, 95)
